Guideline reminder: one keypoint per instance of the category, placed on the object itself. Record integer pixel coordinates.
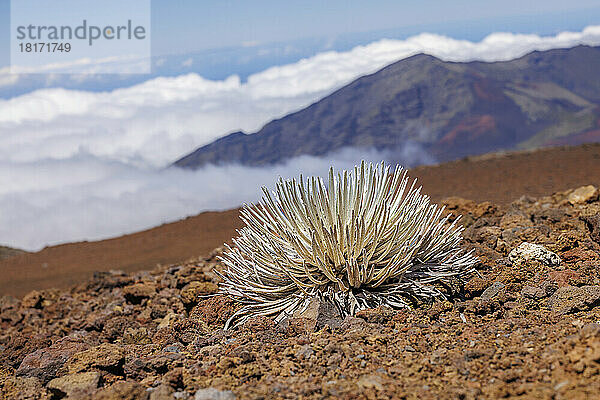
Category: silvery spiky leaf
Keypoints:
(366, 238)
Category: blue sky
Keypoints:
(179, 24)
(186, 25)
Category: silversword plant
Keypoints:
(366, 238)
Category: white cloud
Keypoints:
(126, 64)
(6, 78)
(250, 43)
(85, 198)
(69, 159)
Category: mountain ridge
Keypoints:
(450, 109)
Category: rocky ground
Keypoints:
(527, 327)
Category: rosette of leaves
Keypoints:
(364, 238)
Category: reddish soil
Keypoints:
(496, 178)
(65, 265)
(470, 129)
(502, 178)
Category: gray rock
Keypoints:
(591, 329)
(304, 352)
(571, 299)
(533, 252)
(162, 392)
(181, 395)
(493, 290)
(532, 292)
(214, 394)
(322, 312)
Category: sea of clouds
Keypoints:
(77, 165)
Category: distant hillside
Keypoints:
(451, 109)
(68, 264)
(6, 252)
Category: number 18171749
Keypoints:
(45, 47)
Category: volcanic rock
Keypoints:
(81, 384)
(583, 194)
(519, 328)
(533, 252)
